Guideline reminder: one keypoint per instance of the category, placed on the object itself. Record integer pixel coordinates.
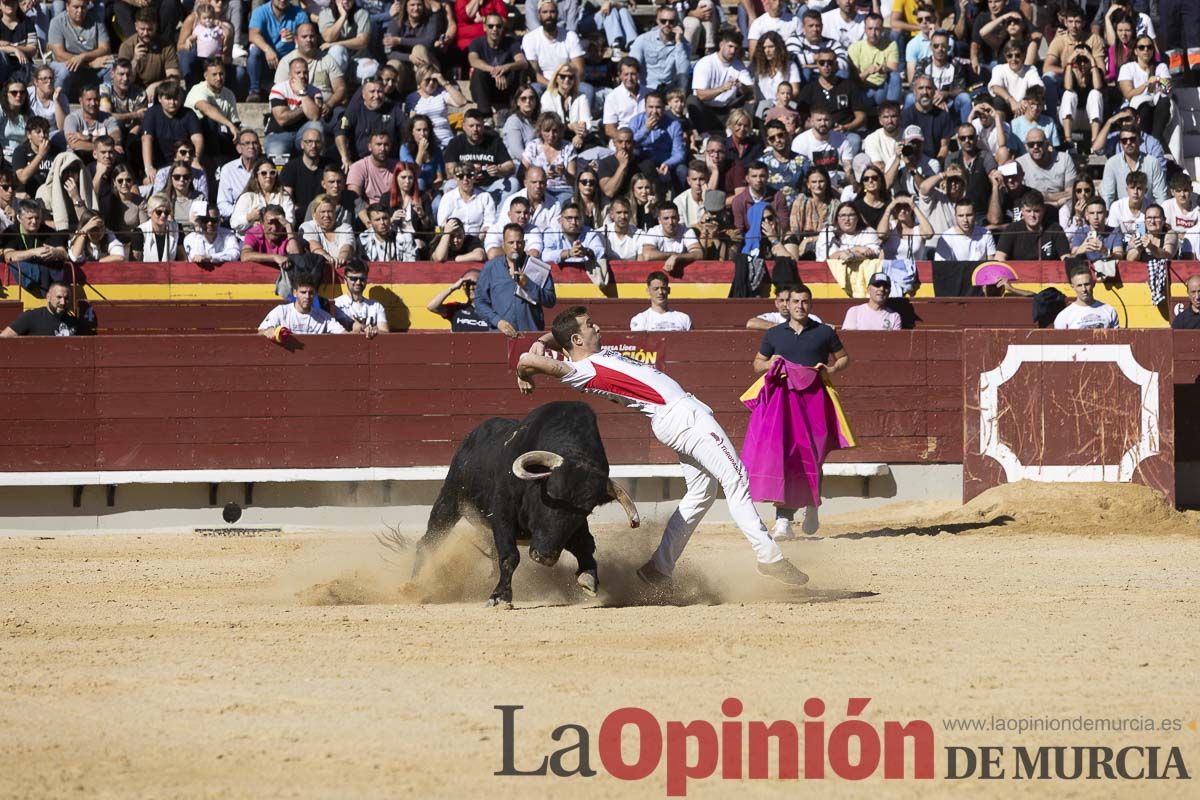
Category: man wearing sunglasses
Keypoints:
(353, 310)
(842, 98)
(1129, 159)
(462, 316)
(1050, 172)
(211, 245)
(497, 65)
(662, 53)
(949, 77)
(976, 164)
(1107, 141)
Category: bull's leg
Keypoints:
(504, 532)
(442, 518)
(583, 547)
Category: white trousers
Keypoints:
(1068, 106)
(709, 459)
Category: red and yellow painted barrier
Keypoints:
(405, 288)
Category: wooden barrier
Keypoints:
(149, 317)
(240, 401)
(405, 288)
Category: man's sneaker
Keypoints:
(812, 521)
(650, 576)
(783, 531)
(240, 53)
(783, 571)
(255, 97)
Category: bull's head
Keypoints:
(542, 465)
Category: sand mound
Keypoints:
(1082, 509)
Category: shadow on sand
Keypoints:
(927, 530)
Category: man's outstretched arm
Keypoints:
(529, 365)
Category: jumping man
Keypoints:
(679, 421)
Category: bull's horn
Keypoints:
(540, 458)
(622, 497)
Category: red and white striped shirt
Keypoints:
(631, 383)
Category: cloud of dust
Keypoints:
(363, 571)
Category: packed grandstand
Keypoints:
(224, 142)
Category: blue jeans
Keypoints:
(70, 82)
(256, 65)
(618, 27)
(889, 91)
(10, 67)
(1053, 83)
(855, 142)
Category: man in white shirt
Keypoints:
(626, 101)
(966, 241)
(679, 421)
(518, 212)
(720, 83)
(1126, 213)
(546, 48)
(658, 317)
(353, 310)
(843, 24)
(882, 145)
(210, 244)
(1182, 212)
(775, 19)
(301, 316)
(825, 147)
(543, 215)
(669, 242)
(690, 201)
(1086, 312)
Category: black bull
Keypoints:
(535, 480)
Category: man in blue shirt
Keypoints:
(496, 298)
(574, 244)
(272, 36)
(663, 53)
(658, 145)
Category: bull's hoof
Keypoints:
(496, 602)
(588, 582)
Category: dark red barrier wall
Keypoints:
(192, 402)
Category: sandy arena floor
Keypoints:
(182, 665)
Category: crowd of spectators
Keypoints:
(760, 131)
